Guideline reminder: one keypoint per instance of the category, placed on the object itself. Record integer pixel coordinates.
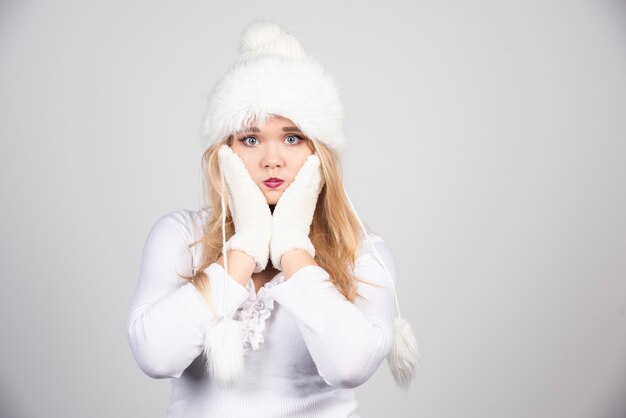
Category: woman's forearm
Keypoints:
(294, 260)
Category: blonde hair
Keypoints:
(335, 230)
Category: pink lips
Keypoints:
(273, 182)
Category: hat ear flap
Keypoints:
(404, 357)
(223, 342)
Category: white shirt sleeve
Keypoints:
(347, 341)
(168, 317)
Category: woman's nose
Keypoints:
(272, 162)
(272, 158)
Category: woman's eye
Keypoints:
(245, 138)
(294, 139)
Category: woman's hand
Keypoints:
(251, 213)
(294, 210)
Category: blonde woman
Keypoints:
(272, 300)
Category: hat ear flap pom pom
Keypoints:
(223, 347)
(404, 357)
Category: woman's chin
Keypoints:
(272, 197)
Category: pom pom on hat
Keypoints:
(263, 37)
(258, 34)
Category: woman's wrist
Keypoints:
(240, 266)
(294, 260)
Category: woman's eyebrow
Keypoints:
(250, 129)
(291, 128)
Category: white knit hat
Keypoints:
(274, 76)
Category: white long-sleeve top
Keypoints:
(306, 345)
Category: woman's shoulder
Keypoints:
(370, 242)
(372, 251)
(189, 223)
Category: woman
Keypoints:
(309, 300)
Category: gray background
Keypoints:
(487, 147)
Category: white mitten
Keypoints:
(294, 210)
(250, 211)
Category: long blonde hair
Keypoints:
(335, 230)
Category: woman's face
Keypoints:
(275, 150)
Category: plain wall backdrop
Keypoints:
(487, 146)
